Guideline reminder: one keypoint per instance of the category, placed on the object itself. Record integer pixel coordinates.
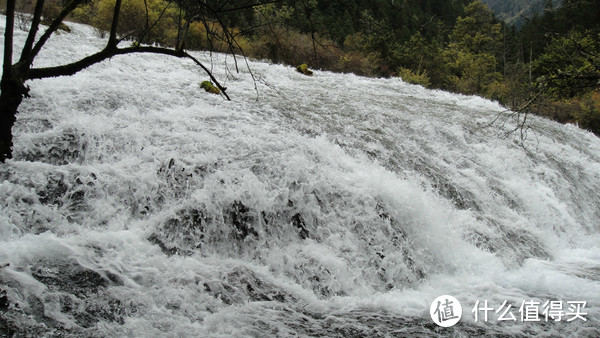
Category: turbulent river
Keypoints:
(335, 205)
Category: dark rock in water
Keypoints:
(242, 285)
(400, 243)
(182, 234)
(174, 178)
(110, 310)
(298, 222)
(55, 190)
(359, 322)
(254, 287)
(515, 245)
(72, 277)
(185, 233)
(438, 178)
(4, 303)
(242, 220)
(72, 291)
(58, 148)
(168, 249)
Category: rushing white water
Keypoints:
(334, 205)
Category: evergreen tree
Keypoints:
(471, 54)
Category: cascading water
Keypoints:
(334, 205)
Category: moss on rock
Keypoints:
(303, 68)
(63, 27)
(209, 87)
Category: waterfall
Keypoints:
(335, 205)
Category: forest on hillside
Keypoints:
(549, 66)
(517, 12)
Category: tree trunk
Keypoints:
(13, 92)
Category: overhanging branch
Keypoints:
(35, 25)
(112, 38)
(52, 28)
(8, 39)
(72, 68)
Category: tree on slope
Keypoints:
(470, 56)
(16, 72)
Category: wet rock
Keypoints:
(72, 277)
(73, 294)
(4, 303)
(169, 249)
(242, 285)
(209, 87)
(242, 220)
(59, 147)
(460, 197)
(55, 190)
(514, 245)
(298, 222)
(181, 234)
(254, 287)
(303, 69)
(400, 243)
(174, 179)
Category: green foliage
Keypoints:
(470, 56)
(571, 64)
(588, 117)
(420, 56)
(518, 11)
(52, 9)
(211, 36)
(271, 13)
(515, 90)
(209, 87)
(477, 32)
(409, 76)
(162, 17)
(282, 45)
(358, 63)
(472, 73)
(303, 68)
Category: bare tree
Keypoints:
(16, 74)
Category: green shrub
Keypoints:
(409, 76)
(132, 21)
(588, 117)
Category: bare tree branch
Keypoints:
(8, 39)
(520, 114)
(112, 39)
(312, 30)
(52, 28)
(35, 24)
(149, 27)
(73, 68)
